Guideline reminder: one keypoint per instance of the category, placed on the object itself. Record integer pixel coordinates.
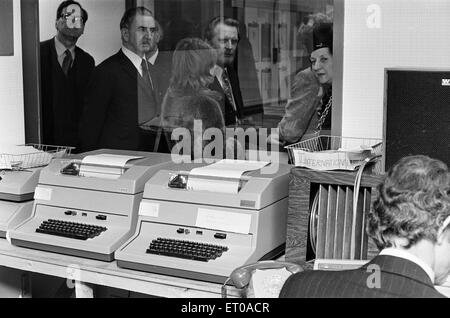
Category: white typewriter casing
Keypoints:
(96, 201)
(175, 213)
(16, 197)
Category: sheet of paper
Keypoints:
(109, 160)
(222, 186)
(223, 176)
(18, 156)
(17, 150)
(5, 164)
(320, 160)
(267, 283)
(223, 221)
(106, 166)
(228, 168)
(112, 174)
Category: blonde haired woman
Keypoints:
(188, 98)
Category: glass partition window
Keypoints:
(260, 47)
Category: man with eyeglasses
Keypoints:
(122, 105)
(223, 35)
(65, 71)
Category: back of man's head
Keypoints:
(412, 203)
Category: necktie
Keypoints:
(67, 62)
(229, 92)
(144, 110)
(146, 73)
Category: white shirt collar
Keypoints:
(391, 251)
(61, 49)
(134, 58)
(218, 71)
(137, 60)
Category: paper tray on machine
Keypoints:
(33, 156)
(335, 152)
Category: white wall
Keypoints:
(411, 33)
(101, 36)
(12, 125)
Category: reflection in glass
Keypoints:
(275, 41)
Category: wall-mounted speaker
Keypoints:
(417, 114)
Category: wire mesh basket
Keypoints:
(32, 156)
(336, 153)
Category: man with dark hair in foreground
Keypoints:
(410, 225)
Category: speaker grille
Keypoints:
(417, 115)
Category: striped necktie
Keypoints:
(228, 90)
(144, 111)
(146, 73)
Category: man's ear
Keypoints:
(443, 236)
(125, 34)
(157, 37)
(400, 241)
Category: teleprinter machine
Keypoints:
(207, 230)
(18, 181)
(16, 197)
(87, 210)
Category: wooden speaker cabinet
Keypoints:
(322, 222)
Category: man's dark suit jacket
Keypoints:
(398, 278)
(62, 97)
(229, 113)
(161, 73)
(110, 116)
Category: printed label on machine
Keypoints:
(44, 194)
(223, 221)
(149, 209)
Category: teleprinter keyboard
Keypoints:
(79, 231)
(186, 249)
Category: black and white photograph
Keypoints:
(224, 154)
